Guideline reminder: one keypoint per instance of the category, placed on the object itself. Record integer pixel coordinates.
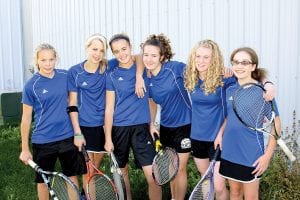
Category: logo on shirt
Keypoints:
(84, 83)
(230, 98)
(151, 84)
(120, 79)
(44, 91)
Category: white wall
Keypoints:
(11, 58)
(271, 27)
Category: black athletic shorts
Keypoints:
(71, 160)
(136, 137)
(204, 149)
(94, 138)
(176, 137)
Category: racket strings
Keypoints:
(203, 190)
(165, 166)
(251, 106)
(62, 188)
(101, 188)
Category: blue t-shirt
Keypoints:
(90, 88)
(208, 111)
(129, 109)
(240, 144)
(49, 99)
(167, 90)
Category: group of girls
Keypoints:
(112, 106)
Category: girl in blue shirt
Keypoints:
(167, 90)
(46, 95)
(205, 83)
(244, 159)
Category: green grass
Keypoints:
(282, 180)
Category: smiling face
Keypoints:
(203, 57)
(46, 60)
(152, 58)
(122, 51)
(95, 51)
(242, 66)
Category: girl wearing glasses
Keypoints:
(243, 161)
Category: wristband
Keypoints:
(78, 135)
(72, 109)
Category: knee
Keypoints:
(236, 194)
(220, 188)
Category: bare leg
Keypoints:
(179, 184)
(154, 191)
(127, 183)
(43, 193)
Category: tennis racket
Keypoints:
(165, 164)
(99, 185)
(257, 114)
(60, 186)
(204, 190)
(118, 178)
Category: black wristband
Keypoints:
(72, 109)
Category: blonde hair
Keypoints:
(102, 39)
(213, 77)
(41, 47)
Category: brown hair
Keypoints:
(258, 74)
(162, 42)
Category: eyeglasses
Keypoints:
(243, 63)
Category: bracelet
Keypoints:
(268, 82)
(78, 135)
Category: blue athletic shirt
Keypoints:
(167, 90)
(240, 144)
(49, 99)
(129, 109)
(90, 88)
(208, 111)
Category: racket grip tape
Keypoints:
(157, 142)
(286, 150)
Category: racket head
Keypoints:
(205, 187)
(101, 187)
(118, 178)
(63, 187)
(165, 166)
(59, 185)
(251, 108)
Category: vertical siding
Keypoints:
(271, 27)
(11, 61)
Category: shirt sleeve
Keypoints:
(112, 64)
(71, 81)
(109, 82)
(28, 96)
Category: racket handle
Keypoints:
(31, 163)
(157, 142)
(286, 150)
